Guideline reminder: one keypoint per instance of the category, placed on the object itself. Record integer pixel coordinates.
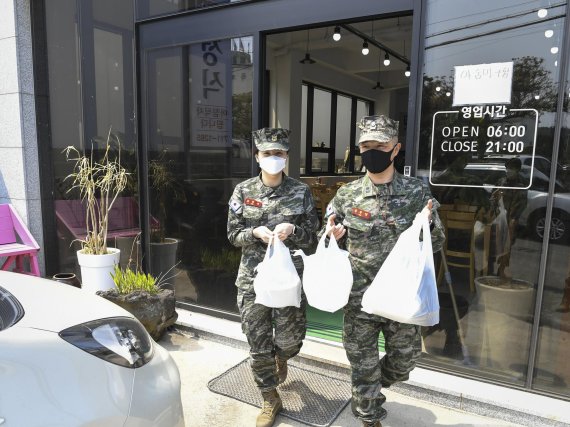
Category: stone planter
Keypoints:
(155, 311)
(506, 323)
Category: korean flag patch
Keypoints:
(236, 206)
(330, 210)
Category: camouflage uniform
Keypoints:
(252, 205)
(374, 216)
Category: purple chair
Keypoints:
(16, 242)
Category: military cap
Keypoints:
(271, 139)
(377, 128)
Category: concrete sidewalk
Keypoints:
(201, 359)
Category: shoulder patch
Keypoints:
(236, 206)
(330, 210)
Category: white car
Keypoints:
(71, 358)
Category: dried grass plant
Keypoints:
(99, 183)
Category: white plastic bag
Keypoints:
(277, 283)
(405, 288)
(327, 276)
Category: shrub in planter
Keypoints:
(144, 296)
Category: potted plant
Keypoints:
(144, 296)
(99, 182)
(165, 188)
(506, 321)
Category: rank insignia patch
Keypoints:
(361, 213)
(253, 202)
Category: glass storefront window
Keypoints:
(552, 372)
(491, 76)
(344, 159)
(199, 99)
(91, 81)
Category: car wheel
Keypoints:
(558, 227)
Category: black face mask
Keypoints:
(377, 161)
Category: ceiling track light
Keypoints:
(386, 59)
(336, 35)
(365, 50)
(383, 48)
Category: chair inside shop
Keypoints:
(462, 231)
(322, 195)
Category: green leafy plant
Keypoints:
(226, 259)
(132, 278)
(127, 281)
(99, 183)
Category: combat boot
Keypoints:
(281, 369)
(271, 406)
(383, 414)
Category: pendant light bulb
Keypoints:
(336, 35)
(365, 50)
(407, 72)
(386, 59)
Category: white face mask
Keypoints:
(272, 165)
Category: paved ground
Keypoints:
(200, 360)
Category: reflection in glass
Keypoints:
(552, 372)
(90, 69)
(495, 293)
(199, 148)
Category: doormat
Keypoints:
(310, 397)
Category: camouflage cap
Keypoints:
(377, 128)
(271, 139)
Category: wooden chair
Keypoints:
(322, 195)
(458, 226)
(16, 242)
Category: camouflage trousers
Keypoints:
(369, 373)
(270, 332)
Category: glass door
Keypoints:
(203, 88)
(198, 127)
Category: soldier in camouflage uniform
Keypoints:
(270, 205)
(370, 214)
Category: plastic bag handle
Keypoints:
(322, 243)
(268, 251)
(426, 246)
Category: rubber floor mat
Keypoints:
(311, 397)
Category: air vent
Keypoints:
(11, 311)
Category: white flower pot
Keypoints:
(507, 324)
(96, 270)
